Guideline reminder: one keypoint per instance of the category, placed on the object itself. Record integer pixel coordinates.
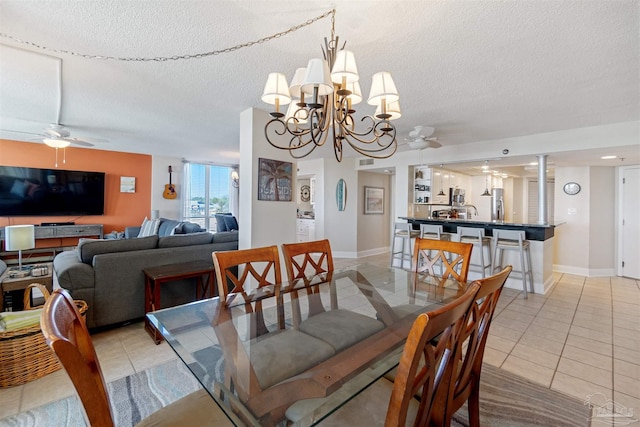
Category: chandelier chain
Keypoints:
(180, 57)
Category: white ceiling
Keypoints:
(475, 70)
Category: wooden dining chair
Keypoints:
(306, 259)
(258, 358)
(68, 337)
(242, 271)
(454, 258)
(465, 385)
(424, 370)
(308, 265)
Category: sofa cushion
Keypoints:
(231, 222)
(178, 240)
(226, 236)
(88, 248)
(149, 227)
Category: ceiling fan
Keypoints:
(55, 135)
(420, 138)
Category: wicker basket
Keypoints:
(24, 353)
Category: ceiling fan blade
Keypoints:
(80, 142)
(19, 131)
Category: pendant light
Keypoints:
(441, 193)
(485, 169)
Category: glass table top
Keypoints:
(264, 352)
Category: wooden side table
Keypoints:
(156, 276)
(8, 283)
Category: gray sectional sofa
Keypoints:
(108, 275)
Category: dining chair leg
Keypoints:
(473, 404)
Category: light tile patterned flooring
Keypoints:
(581, 338)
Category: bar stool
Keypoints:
(403, 231)
(432, 231)
(479, 240)
(513, 240)
(435, 232)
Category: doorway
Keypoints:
(629, 222)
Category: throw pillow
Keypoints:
(221, 225)
(177, 229)
(231, 222)
(149, 227)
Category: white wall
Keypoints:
(263, 223)
(169, 208)
(586, 237)
(340, 226)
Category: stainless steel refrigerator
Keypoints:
(497, 204)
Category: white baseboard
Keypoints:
(587, 272)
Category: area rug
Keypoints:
(506, 400)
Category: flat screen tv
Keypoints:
(50, 192)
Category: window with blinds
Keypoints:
(532, 203)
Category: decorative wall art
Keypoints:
(341, 195)
(274, 180)
(373, 200)
(127, 184)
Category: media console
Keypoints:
(60, 231)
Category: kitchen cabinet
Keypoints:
(305, 230)
(421, 185)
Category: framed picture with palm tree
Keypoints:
(274, 180)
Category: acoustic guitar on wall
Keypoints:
(170, 189)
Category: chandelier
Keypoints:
(321, 104)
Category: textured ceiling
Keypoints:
(474, 70)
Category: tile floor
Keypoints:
(582, 338)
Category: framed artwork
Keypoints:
(127, 184)
(373, 200)
(274, 180)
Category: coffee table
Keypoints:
(8, 283)
(156, 276)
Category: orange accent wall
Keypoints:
(121, 209)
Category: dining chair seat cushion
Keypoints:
(195, 409)
(282, 354)
(341, 328)
(369, 408)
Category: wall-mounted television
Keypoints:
(50, 192)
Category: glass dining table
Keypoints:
(301, 350)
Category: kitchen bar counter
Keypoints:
(535, 232)
(539, 236)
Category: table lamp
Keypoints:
(19, 237)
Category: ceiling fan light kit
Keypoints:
(324, 105)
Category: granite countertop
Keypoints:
(470, 221)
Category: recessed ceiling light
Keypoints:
(608, 157)
(533, 164)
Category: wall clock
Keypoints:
(571, 188)
(305, 193)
